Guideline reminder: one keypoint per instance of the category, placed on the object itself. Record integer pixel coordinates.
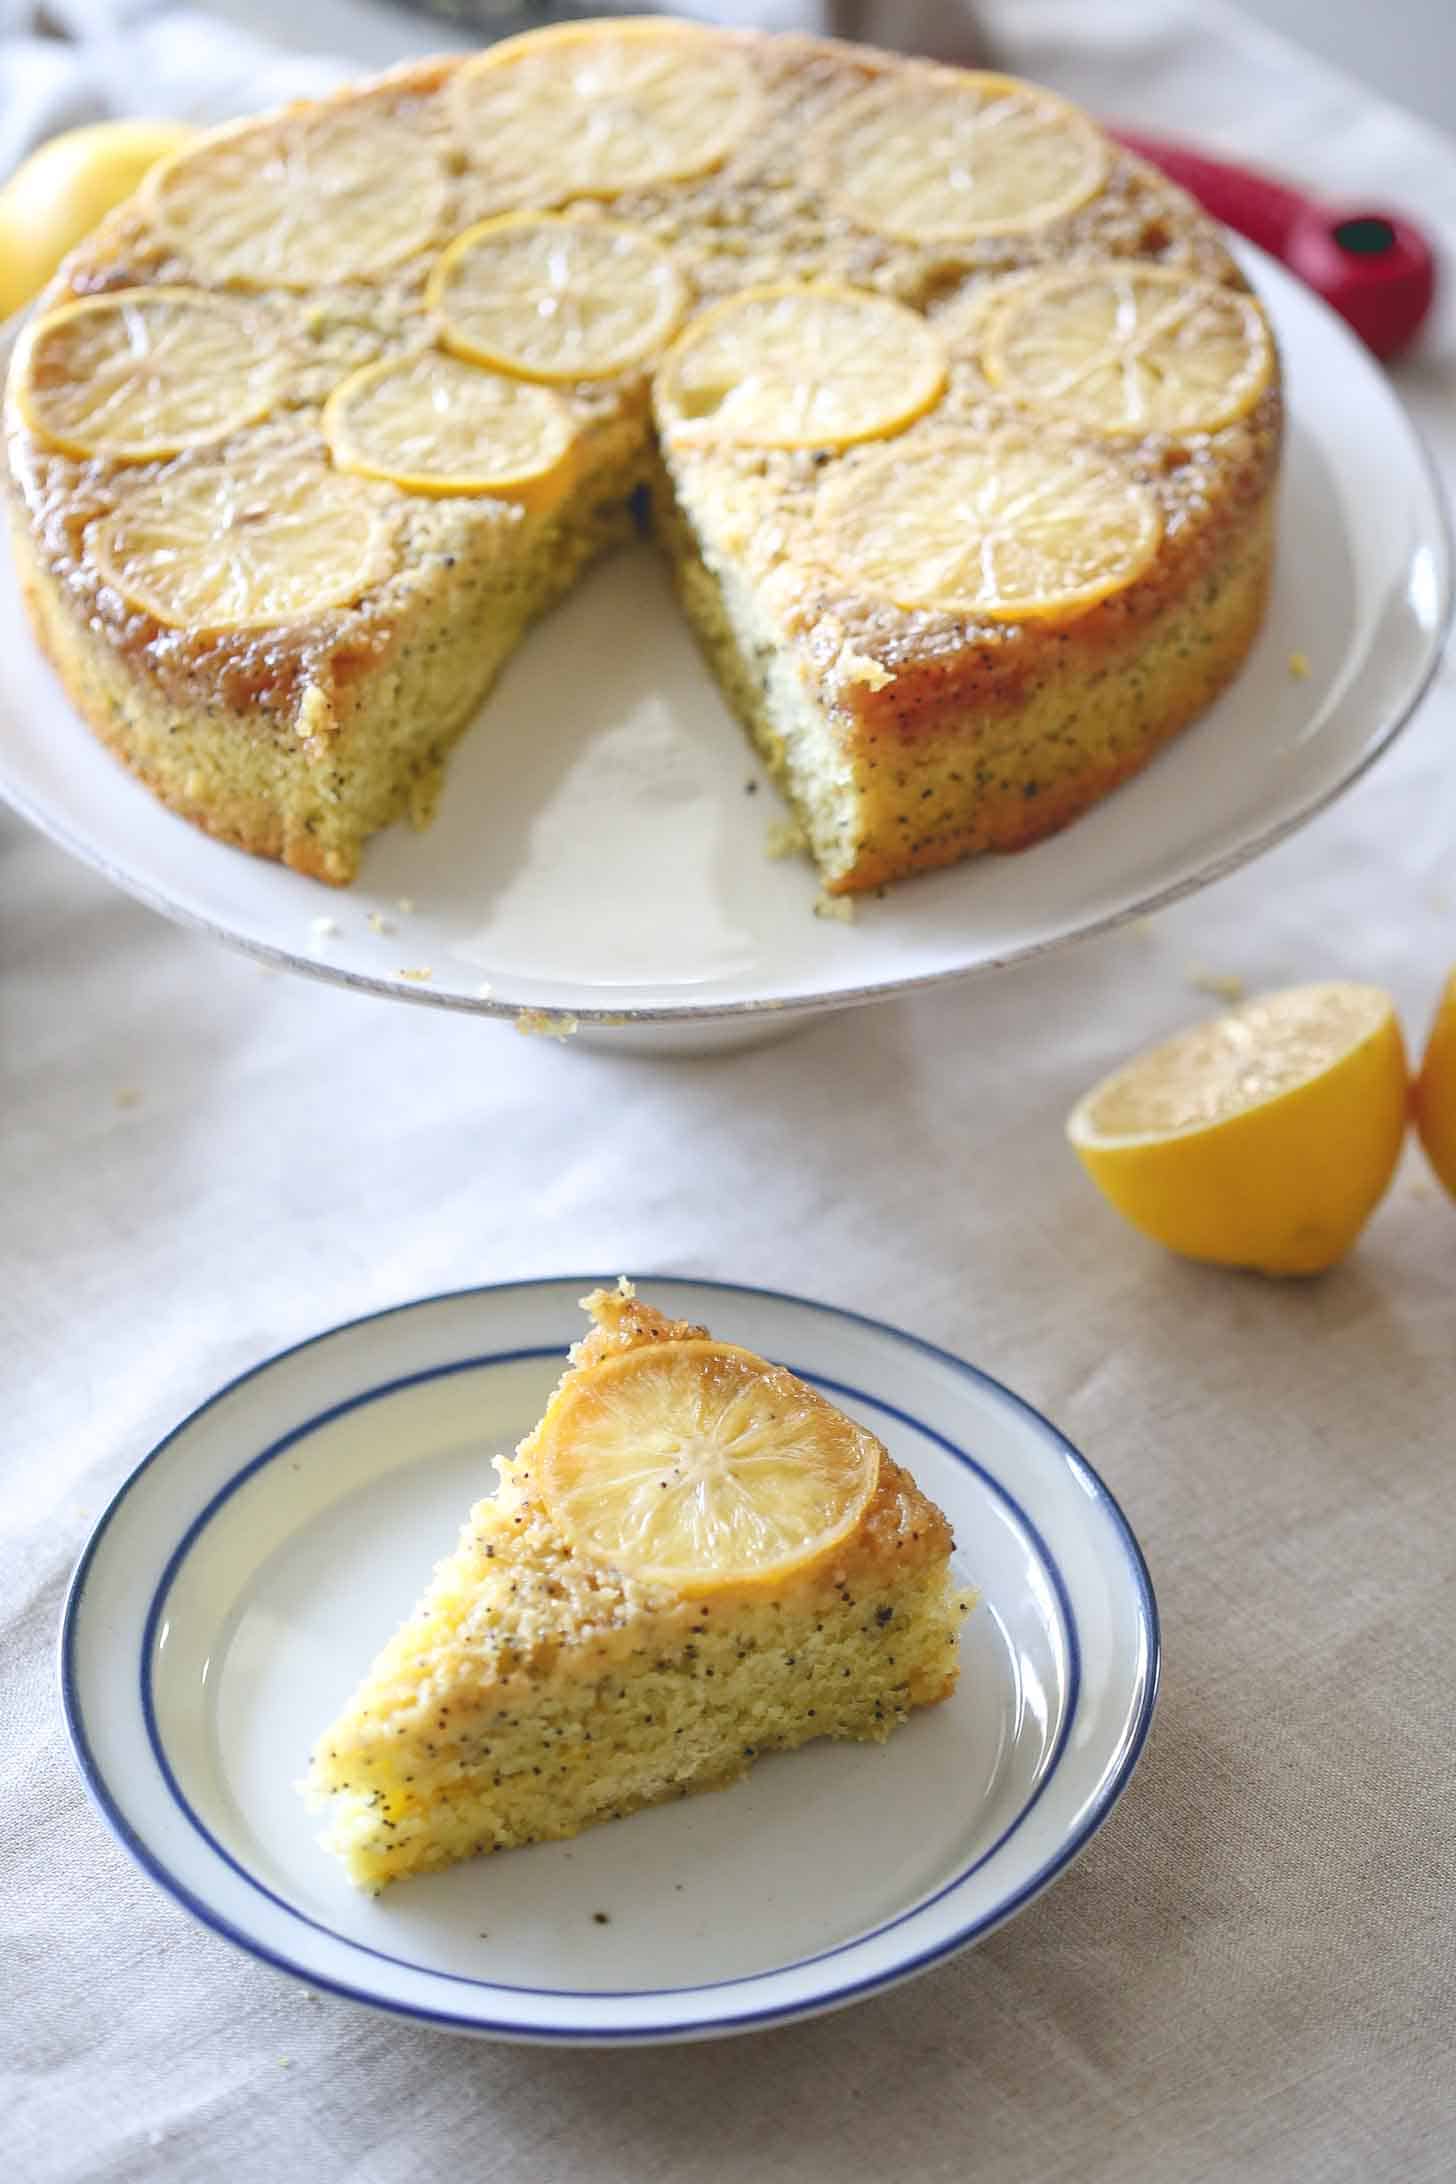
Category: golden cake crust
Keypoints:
(956, 735)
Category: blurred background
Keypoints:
(1406, 49)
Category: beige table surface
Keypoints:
(1252, 1972)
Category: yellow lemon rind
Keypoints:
(1433, 1097)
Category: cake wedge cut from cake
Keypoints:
(695, 1558)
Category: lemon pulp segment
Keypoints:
(994, 524)
(593, 109)
(209, 546)
(435, 425)
(1128, 348)
(144, 372)
(343, 192)
(556, 299)
(937, 159)
(811, 366)
(699, 1465)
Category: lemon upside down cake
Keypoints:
(692, 1560)
(959, 425)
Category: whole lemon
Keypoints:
(63, 190)
(1435, 1091)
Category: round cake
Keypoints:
(959, 426)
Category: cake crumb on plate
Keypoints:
(1221, 985)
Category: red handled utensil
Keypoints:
(1373, 267)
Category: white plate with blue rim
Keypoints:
(250, 1567)
(606, 769)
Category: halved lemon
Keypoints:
(994, 523)
(146, 372)
(698, 1465)
(591, 109)
(1435, 1090)
(435, 425)
(811, 366)
(334, 195)
(210, 546)
(1129, 348)
(933, 157)
(556, 299)
(1265, 1138)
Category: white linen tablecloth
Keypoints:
(1252, 1972)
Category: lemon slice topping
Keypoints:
(698, 1465)
(556, 299)
(145, 372)
(435, 425)
(995, 524)
(936, 158)
(1129, 348)
(334, 195)
(1262, 1139)
(588, 110)
(784, 366)
(209, 545)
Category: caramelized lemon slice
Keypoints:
(555, 299)
(698, 1465)
(333, 195)
(1130, 348)
(435, 425)
(783, 366)
(145, 372)
(210, 546)
(993, 524)
(933, 157)
(588, 110)
(1263, 1139)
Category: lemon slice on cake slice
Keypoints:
(1262, 1139)
(338, 194)
(799, 366)
(208, 545)
(698, 1465)
(146, 372)
(1128, 348)
(435, 425)
(592, 109)
(556, 299)
(931, 156)
(995, 524)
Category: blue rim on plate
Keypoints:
(831, 1996)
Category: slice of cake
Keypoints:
(693, 1559)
